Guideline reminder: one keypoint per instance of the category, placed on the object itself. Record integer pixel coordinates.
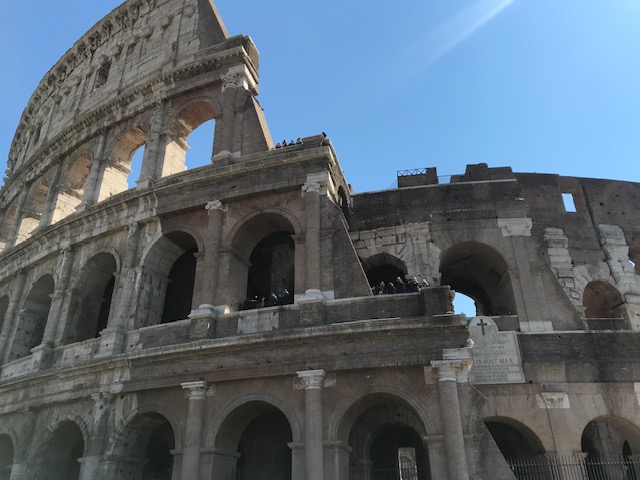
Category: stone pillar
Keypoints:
(17, 217)
(154, 152)
(313, 283)
(95, 173)
(52, 196)
(447, 371)
(312, 381)
(99, 433)
(20, 469)
(112, 338)
(10, 316)
(196, 392)
(337, 460)
(216, 210)
(224, 134)
(51, 331)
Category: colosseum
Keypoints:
(230, 322)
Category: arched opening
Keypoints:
(270, 279)
(7, 223)
(118, 168)
(601, 302)
(71, 189)
(519, 446)
(91, 300)
(169, 270)
(386, 440)
(196, 125)
(515, 440)
(479, 272)
(6, 457)
(136, 167)
(179, 296)
(609, 442)
(33, 318)
(148, 442)
(383, 271)
(33, 209)
(262, 262)
(4, 305)
(464, 304)
(59, 457)
(260, 434)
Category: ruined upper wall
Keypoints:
(136, 44)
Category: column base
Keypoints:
(203, 323)
(42, 356)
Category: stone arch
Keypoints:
(71, 187)
(7, 456)
(188, 117)
(33, 208)
(384, 267)
(346, 412)
(91, 298)
(169, 267)
(514, 439)
(255, 434)
(385, 433)
(146, 441)
(4, 306)
(605, 436)
(32, 318)
(58, 454)
(113, 179)
(480, 272)
(601, 300)
(262, 256)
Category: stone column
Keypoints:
(447, 371)
(20, 469)
(99, 433)
(17, 217)
(51, 331)
(312, 381)
(223, 138)
(215, 209)
(52, 196)
(311, 191)
(95, 173)
(10, 316)
(196, 392)
(337, 460)
(154, 153)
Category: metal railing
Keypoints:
(606, 323)
(575, 468)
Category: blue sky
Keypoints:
(541, 86)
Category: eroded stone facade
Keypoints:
(135, 342)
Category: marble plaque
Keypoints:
(496, 356)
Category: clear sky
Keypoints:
(541, 86)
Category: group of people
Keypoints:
(285, 144)
(283, 298)
(398, 286)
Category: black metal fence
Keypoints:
(391, 471)
(575, 468)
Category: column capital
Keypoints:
(101, 399)
(312, 379)
(195, 390)
(314, 187)
(215, 205)
(449, 370)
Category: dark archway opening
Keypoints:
(521, 448)
(263, 448)
(479, 272)
(609, 444)
(33, 318)
(91, 301)
(179, 296)
(383, 271)
(271, 272)
(158, 457)
(60, 457)
(397, 454)
(601, 306)
(6, 457)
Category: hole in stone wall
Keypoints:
(569, 202)
(200, 145)
(136, 165)
(464, 304)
